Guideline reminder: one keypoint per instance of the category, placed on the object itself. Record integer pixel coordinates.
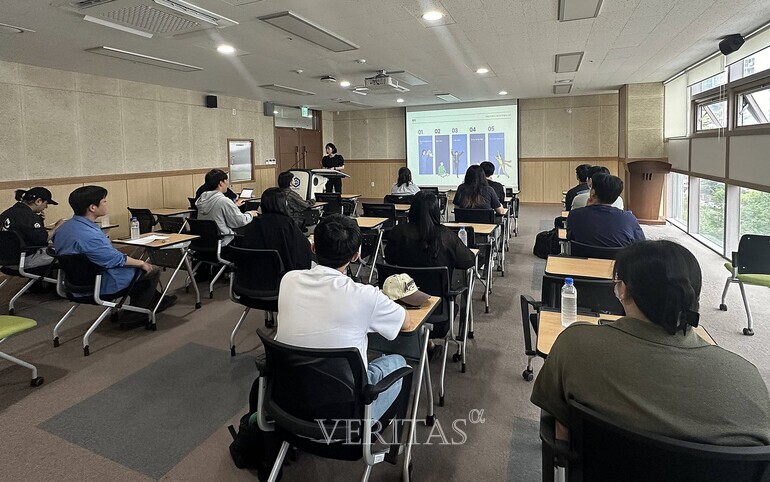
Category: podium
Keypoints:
(646, 188)
(307, 182)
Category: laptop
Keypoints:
(246, 193)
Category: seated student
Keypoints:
(213, 205)
(489, 170)
(228, 194)
(296, 203)
(583, 199)
(599, 223)
(323, 308)
(475, 193)
(581, 172)
(81, 235)
(649, 371)
(404, 185)
(274, 229)
(26, 218)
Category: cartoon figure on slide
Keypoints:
(442, 169)
(456, 161)
(503, 164)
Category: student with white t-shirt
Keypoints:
(323, 308)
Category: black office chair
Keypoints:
(207, 248)
(192, 200)
(442, 200)
(171, 224)
(600, 449)
(308, 217)
(750, 265)
(587, 251)
(398, 199)
(80, 281)
(304, 393)
(146, 219)
(254, 282)
(13, 256)
(434, 281)
(382, 211)
(594, 297)
(432, 189)
(478, 216)
(333, 202)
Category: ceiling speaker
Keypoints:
(731, 43)
(211, 101)
(268, 109)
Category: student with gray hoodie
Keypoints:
(215, 206)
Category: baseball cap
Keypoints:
(402, 288)
(40, 193)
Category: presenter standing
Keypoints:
(332, 160)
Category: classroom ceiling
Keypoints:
(517, 40)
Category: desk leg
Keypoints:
(416, 401)
(376, 254)
(189, 267)
(488, 285)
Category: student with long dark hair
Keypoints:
(275, 229)
(404, 185)
(475, 193)
(333, 160)
(649, 371)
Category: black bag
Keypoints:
(547, 243)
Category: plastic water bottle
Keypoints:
(463, 234)
(568, 302)
(134, 228)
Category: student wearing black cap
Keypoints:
(27, 219)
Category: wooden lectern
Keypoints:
(646, 189)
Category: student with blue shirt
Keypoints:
(81, 235)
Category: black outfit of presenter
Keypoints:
(332, 160)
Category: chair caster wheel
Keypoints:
(86, 351)
(441, 400)
(232, 350)
(503, 274)
(527, 375)
(114, 316)
(723, 307)
(211, 295)
(455, 358)
(430, 420)
(56, 342)
(486, 309)
(462, 369)
(151, 327)
(36, 382)
(748, 332)
(11, 312)
(198, 305)
(408, 477)
(470, 333)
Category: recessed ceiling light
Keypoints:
(226, 49)
(360, 61)
(503, 92)
(344, 83)
(432, 16)
(482, 70)
(399, 100)
(275, 112)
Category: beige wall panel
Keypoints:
(12, 162)
(227, 126)
(248, 125)
(558, 130)
(359, 139)
(140, 134)
(608, 132)
(100, 130)
(646, 113)
(531, 181)
(145, 193)
(378, 138)
(531, 104)
(31, 75)
(96, 84)
(586, 126)
(532, 133)
(265, 144)
(342, 137)
(175, 141)
(60, 193)
(395, 127)
(327, 126)
(117, 207)
(678, 153)
(359, 114)
(398, 112)
(7, 197)
(611, 165)
(250, 105)
(556, 178)
(557, 102)
(609, 99)
(708, 155)
(228, 103)
(50, 132)
(645, 143)
(138, 90)
(264, 178)
(170, 94)
(341, 115)
(9, 72)
(586, 101)
(650, 89)
(205, 145)
(176, 190)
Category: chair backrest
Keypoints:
(607, 451)
(145, 217)
(594, 295)
(469, 231)
(508, 192)
(430, 188)
(381, 211)
(588, 251)
(79, 273)
(754, 254)
(11, 245)
(433, 281)
(257, 273)
(251, 205)
(398, 199)
(333, 202)
(481, 216)
(208, 232)
(171, 224)
(306, 385)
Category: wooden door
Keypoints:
(287, 149)
(311, 148)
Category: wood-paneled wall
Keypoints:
(150, 190)
(544, 179)
(382, 172)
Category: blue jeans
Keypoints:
(378, 369)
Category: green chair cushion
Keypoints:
(751, 279)
(10, 325)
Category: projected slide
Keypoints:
(443, 142)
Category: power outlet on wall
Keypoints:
(372, 183)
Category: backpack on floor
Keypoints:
(547, 243)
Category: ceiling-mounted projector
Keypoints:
(383, 82)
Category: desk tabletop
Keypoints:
(369, 222)
(418, 315)
(402, 207)
(350, 196)
(505, 212)
(168, 239)
(475, 251)
(508, 199)
(563, 234)
(318, 204)
(171, 211)
(580, 267)
(564, 214)
(477, 228)
(549, 328)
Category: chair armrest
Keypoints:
(371, 392)
(531, 302)
(734, 261)
(261, 362)
(559, 448)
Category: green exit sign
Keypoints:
(305, 112)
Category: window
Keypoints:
(679, 193)
(755, 212)
(753, 107)
(751, 65)
(711, 211)
(711, 115)
(710, 83)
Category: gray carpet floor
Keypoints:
(119, 413)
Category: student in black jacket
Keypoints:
(582, 174)
(27, 219)
(489, 170)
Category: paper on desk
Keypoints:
(146, 239)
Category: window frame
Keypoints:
(711, 96)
